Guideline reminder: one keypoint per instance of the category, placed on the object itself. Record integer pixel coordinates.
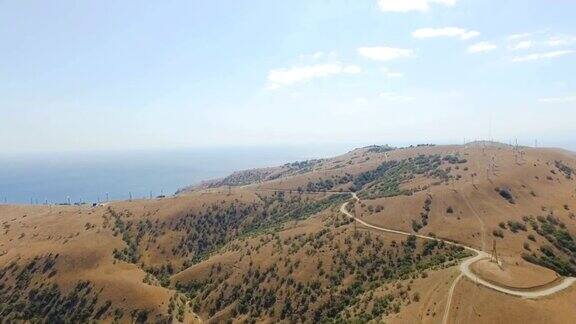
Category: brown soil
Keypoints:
(514, 273)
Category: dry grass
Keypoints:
(248, 227)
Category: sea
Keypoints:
(90, 177)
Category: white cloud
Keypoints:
(411, 5)
(481, 47)
(558, 99)
(519, 41)
(561, 40)
(521, 45)
(540, 56)
(383, 53)
(390, 74)
(396, 98)
(289, 76)
(445, 32)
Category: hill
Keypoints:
(272, 244)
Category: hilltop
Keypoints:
(272, 244)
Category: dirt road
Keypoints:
(465, 265)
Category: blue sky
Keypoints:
(99, 75)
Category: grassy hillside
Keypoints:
(271, 245)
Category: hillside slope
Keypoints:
(270, 244)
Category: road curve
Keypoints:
(465, 265)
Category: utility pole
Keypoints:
(130, 194)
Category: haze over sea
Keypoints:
(87, 177)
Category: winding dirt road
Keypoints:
(465, 265)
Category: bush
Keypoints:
(416, 225)
(506, 194)
(498, 233)
(515, 226)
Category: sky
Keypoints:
(118, 75)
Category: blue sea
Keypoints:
(91, 176)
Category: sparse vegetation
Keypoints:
(560, 256)
(568, 171)
(358, 263)
(385, 180)
(258, 255)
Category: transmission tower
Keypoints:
(494, 254)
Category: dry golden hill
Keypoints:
(270, 245)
